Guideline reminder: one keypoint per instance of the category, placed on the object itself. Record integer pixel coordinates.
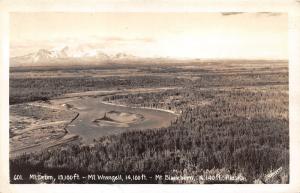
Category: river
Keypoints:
(91, 108)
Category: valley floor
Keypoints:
(197, 119)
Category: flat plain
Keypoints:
(196, 117)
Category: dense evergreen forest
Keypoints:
(232, 123)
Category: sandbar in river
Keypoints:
(90, 109)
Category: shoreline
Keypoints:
(157, 109)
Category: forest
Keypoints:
(232, 123)
(33, 89)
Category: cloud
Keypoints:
(269, 13)
(145, 39)
(231, 13)
(258, 13)
(123, 40)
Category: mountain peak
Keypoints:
(122, 55)
(43, 51)
(65, 54)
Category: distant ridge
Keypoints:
(81, 55)
(67, 54)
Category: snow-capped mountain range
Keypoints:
(66, 53)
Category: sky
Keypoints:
(176, 35)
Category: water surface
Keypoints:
(90, 109)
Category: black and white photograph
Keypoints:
(149, 96)
(146, 98)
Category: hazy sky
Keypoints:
(193, 35)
